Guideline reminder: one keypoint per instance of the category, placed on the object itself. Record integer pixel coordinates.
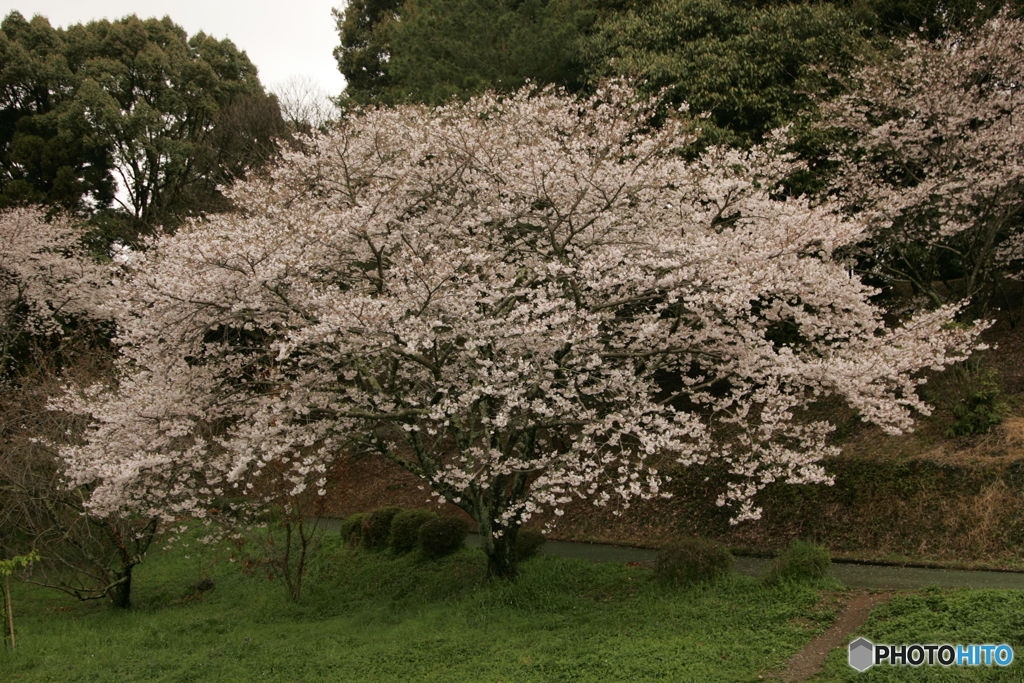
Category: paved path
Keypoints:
(852, 575)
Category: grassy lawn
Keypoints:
(376, 617)
(939, 616)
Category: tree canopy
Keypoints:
(749, 65)
(48, 154)
(134, 104)
(750, 69)
(934, 160)
(523, 299)
(47, 280)
(431, 50)
(930, 19)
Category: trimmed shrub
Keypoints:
(377, 527)
(528, 543)
(801, 562)
(351, 529)
(692, 560)
(405, 529)
(442, 536)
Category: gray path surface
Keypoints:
(853, 575)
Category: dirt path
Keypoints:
(809, 661)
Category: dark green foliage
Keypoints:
(751, 64)
(442, 536)
(528, 543)
(692, 560)
(751, 69)
(172, 116)
(365, 51)
(351, 529)
(47, 153)
(800, 562)
(971, 392)
(377, 527)
(432, 50)
(981, 409)
(929, 18)
(405, 529)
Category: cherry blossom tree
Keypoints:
(47, 279)
(524, 300)
(936, 159)
(52, 290)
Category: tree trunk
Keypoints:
(9, 608)
(121, 592)
(502, 562)
(485, 505)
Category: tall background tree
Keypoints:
(431, 50)
(365, 50)
(743, 69)
(48, 153)
(132, 114)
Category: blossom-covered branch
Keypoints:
(47, 278)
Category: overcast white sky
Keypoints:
(283, 39)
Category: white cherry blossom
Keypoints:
(47, 278)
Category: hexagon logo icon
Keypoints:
(862, 654)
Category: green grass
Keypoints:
(935, 615)
(377, 617)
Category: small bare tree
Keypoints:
(282, 545)
(305, 104)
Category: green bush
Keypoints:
(442, 536)
(405, 529)
(528, 543)
(970, 390)
(801, 562)
(351, 529)
(692, 560)
(981, 408)
(377, 528)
